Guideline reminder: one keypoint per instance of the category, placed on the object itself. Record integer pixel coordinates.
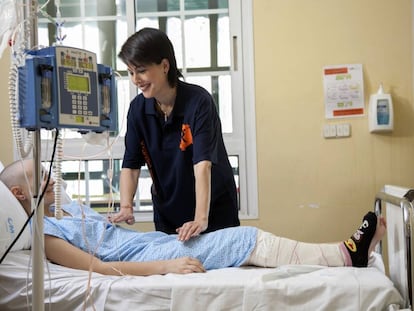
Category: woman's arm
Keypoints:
(65, 254)
(202, 174)
(128, 183)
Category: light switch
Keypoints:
(343, 130)
(329, 131)
(337, 130)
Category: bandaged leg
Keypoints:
(274, 251)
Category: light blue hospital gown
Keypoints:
(229, 247)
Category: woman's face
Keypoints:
(151, 79)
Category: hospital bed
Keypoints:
(247, 288)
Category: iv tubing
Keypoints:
(58, 176)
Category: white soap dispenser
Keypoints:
(381, 113)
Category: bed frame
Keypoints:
(289, 287)
(399, 211)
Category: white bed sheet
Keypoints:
(246, 288)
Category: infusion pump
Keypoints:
(64, 87)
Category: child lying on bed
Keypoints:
(71, 240)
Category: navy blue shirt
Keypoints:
(171, 148)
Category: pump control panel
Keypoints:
(64, 87)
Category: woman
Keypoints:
(173, 127)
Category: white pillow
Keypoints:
(12, 218)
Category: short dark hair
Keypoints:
(150, 46)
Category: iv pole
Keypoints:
(37, 233)
(37, 227)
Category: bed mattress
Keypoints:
(246, 288)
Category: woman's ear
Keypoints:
(165, 65)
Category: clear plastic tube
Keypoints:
(22, 138)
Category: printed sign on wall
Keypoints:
(343, 91)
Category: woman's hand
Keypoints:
(184, 265)
(125, 214)
(191, 229)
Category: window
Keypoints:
(214, 48)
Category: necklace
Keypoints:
(165, 112)
(168, 103)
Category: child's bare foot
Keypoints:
(363, 241)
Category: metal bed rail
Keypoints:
(407, 209)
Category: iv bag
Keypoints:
(8, 22)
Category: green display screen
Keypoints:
(77, 83)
